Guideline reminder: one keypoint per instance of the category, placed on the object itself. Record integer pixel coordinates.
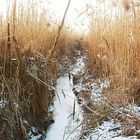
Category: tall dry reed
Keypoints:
(114, 46)
(27, 73)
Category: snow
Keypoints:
(2, 104)
(36, 137)
(63, 110)
(67, 112)
(105, 131)
(112, 130)
(97, 88)
(136, 109)
(109, 130)
(124, 138)
(78, 67)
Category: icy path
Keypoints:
(67, 112)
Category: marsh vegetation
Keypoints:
(50, 73)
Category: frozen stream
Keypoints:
(64, 102)
(67, 112)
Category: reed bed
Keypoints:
(31, 47)
(27, 72)
(114, 47)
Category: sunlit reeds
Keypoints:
(26, 71)
(114, 46)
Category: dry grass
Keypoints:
(114, 47)
(27, 74)
(26, 70)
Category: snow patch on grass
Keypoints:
(109, 130)
(2, 104)
(78, 67)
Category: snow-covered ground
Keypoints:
(97, 88)
(2, 104)
(112, 130)
(105, 131)
(67, 113)
(109, 130)
(124, 138)
(78, 67)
